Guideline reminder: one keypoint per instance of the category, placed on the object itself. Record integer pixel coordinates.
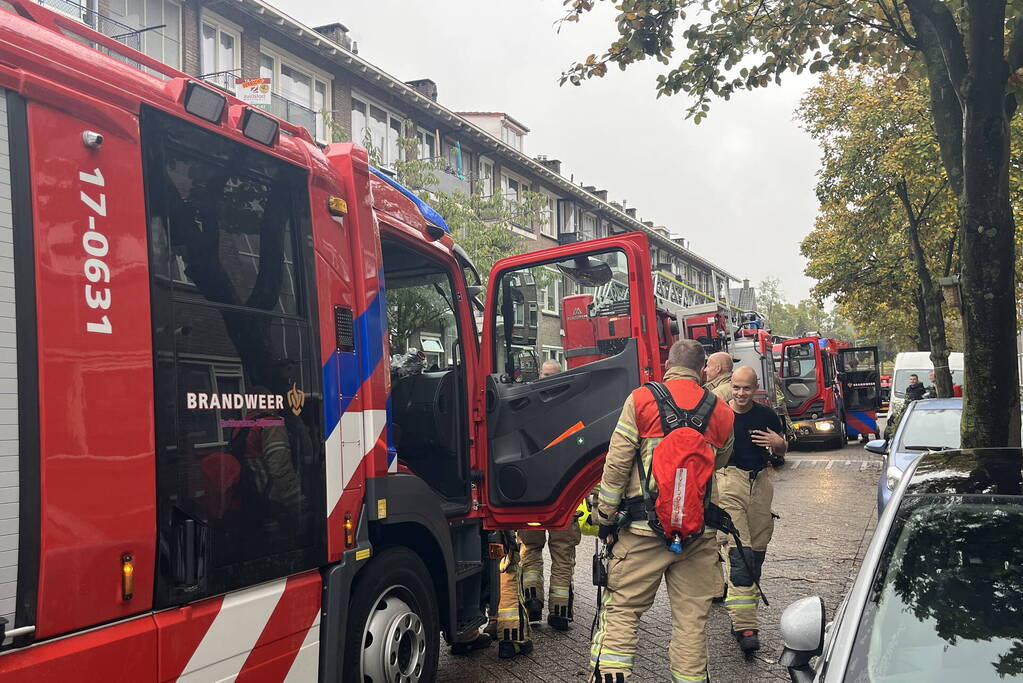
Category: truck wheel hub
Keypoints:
(395, 643)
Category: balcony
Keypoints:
(122, 33)
(293, 112)
(222, 79)
(448, 181)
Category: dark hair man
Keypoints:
(640, 555)
(916, 390)
(745, 492)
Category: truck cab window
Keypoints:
(580, 305)
(428, 383)
(239, 409)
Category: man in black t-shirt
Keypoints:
(746, 491)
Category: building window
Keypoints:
(511, 137)
(589, 226)
(162, 43)
(298, 84)
(377, 127)
(427, 144)
(551, 299)
(548, 217)
(511, 188)
(554, 353)
(568, 217)
(221, 56)
(487, 177)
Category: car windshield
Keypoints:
(930, 430)
(901, 379)
(947, 602)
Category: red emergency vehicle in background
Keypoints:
(832, 390)
(201, 435)
(593, 325)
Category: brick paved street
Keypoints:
(826, 500)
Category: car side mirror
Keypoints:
(879, 446)
(802, 633)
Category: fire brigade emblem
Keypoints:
(296, 399)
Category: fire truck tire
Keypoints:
(393, 635)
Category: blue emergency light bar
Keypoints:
(428, 212)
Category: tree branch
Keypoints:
(949, 39)
(946, 96)
(950, 252)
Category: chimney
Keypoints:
(600, 194)
(631, 212)
(590, 188)
(745, 283)
(649, 224)
(617, 206)
(425, 87)
(338, 32)
(550, 164)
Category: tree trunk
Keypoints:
(923, 339)
(933, 315)
(991, 415)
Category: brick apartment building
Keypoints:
(316, 70)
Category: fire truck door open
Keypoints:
(547, 437)
(860, 376)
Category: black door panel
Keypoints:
(524, 419)
(860, 376)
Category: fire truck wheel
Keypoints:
(392, 622)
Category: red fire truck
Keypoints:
(831, 389)
(594, 325)
(207, 470)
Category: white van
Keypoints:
(918, 363)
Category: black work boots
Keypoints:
(507, 649)
(534, 608)
(748, 639)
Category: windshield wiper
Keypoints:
(927, 448)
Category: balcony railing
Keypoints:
(448, 181)
(122, 33)
(293, 112)
(222, 79)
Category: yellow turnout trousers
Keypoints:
(512, 622)
(562, 543)
(748, 502)
(634, 575)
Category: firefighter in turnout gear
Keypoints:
(745, 492)
(639, 556)
(719, 375)
(562, 544)
(512, 621)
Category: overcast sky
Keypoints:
(739, 185)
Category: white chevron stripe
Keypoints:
(332, 451)
(307, 662)
(233, 633)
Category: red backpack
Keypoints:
(682, 464)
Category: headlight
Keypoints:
(892, 477)
(825, 426)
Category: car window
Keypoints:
(934, 429)
(947, 600)
(901, 380)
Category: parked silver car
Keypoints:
(939, 596)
